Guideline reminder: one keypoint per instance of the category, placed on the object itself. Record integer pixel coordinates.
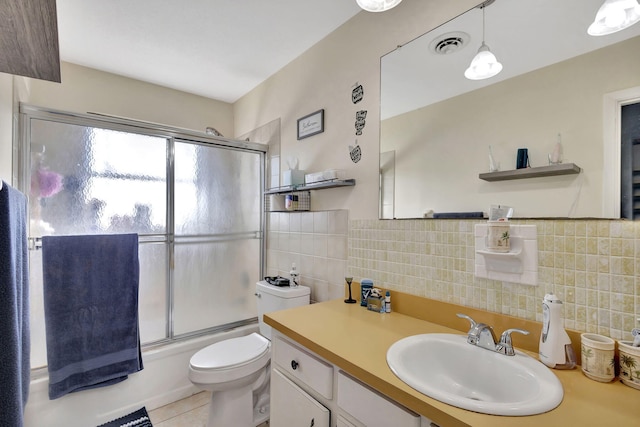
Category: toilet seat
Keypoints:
(230, 360)
(230, 352)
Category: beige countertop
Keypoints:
(356, 340)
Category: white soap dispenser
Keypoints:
(294, 275)
(555, 345)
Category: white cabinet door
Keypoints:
(292, 407)
(371, 408)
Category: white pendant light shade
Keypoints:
(377, 5)
(483, 65)
(613, 16)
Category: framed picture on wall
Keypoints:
(311, 124)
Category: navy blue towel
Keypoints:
(15, 364)
(91, 310)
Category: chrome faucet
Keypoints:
(482, 335)
(505, 346)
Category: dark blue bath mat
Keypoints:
(139, 418)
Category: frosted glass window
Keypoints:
(87, 180)
(217, 190)
(214, 283)
(200, 233)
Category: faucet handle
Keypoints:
(464, 316)
(505, 345)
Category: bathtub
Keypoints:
(163, 380)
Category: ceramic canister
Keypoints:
(498, 236)
(598, 361)
(629, 363)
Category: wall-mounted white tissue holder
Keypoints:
(519, 265)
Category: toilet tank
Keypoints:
(274, 298)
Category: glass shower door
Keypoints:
(217, 235)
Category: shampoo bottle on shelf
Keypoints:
(555, 345)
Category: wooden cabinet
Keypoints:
(29, 39)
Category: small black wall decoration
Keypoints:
(355, 152)
(360, 121)
(357, 94)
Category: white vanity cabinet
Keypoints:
(291, 406)
(306, 391)
(304, 366)
(368, 408)
(301, 386)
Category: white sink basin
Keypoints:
(446, 368)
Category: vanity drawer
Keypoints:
(302, 365)
(371, 408)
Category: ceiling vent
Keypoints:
(448, 43)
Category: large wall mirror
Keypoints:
(558, 83)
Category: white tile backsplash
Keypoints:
(306, 221)
(338, 222)
(283, 222)
(320, 222)
(320, 245)
(317, 242)
(294, 223)
(306, 244)
(338, 246)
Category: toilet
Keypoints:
(237, 370)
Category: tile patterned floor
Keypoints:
(189, 412)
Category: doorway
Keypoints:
(630, 161)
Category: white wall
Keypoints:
(87, 90)
(6, 128)
(323, 77)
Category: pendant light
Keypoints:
(613, 16)
(484, 64)
(377, 5)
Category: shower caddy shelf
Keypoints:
(304, 193)
(334, 183)
(551, 170)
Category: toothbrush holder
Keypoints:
(629, 364)
(598, 361)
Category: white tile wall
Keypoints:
(317, 242)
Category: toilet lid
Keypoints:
(234, 351)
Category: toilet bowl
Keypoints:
(237, 370)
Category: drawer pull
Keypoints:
(313, 422)
(294, 365)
